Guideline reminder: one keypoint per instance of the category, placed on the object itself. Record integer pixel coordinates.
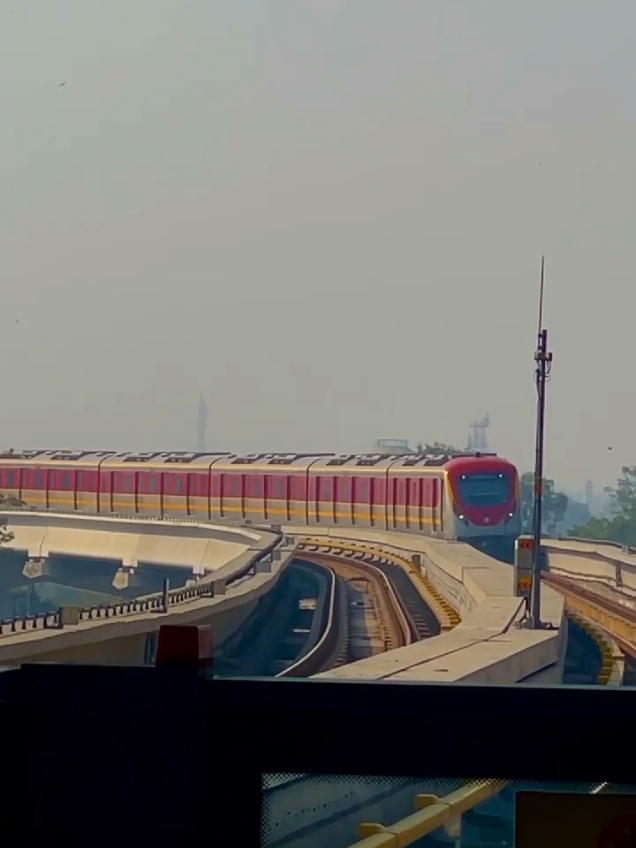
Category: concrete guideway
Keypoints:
(471, 594)
(488, 645)
(116, 633)
(197, 547)
(612, 565)
(599, 584)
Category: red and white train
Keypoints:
(470, 497)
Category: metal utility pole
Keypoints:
(543, 360)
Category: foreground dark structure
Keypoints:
(115, 755)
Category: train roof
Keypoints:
(110, 459)
(164, 460)
(381, 461)
(228, 462)
(55, 458)
(270, 462)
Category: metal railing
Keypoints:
(431, 814)
(159, 602)
(618, 620)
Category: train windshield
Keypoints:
(483, 489)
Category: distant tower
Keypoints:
(589, 495)
(477, 438)
(202, 425)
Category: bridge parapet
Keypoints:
(592, 561)
(256, 559)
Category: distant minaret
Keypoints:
(202, 425)
(589, 495)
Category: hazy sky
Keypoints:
(327, 216)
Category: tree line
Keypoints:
(620, 525)
(570, 517)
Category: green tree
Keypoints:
(621, 525)
(437, 449)
(554, 504)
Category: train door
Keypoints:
(431, 486)
(361, 501)
(224, 486)
(244, 482)
(392, 503)
(268, 497)
(313, 504)
(325, 500)
(105, 494)
(414, 512)
(283, 484)
(421, 501)
(407, 503)
(191, 493)
(62, 490)
(276, 497)
(402, 502)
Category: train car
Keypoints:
(470, 497)
(63, 480)
(263, 487)
(350, 489)
(171, 485)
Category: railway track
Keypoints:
(616, 618)
(365, 605)
(422, 621)
(377, 620)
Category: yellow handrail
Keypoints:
(431, 813)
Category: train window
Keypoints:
(235, 487)
(66, 481)
(256, 487)
(279, 489)
(178, 485)
(38, 480)
(127, 483)
(152, 484)
(365, 491)
(11, 479)
(345, 490)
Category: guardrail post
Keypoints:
(165, 597)
(68, 616)
(619, 575)
(218, 587)
(263, 566)
(416, 561)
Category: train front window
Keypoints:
(483, 489)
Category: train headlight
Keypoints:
(511, 515)
(461, 516)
